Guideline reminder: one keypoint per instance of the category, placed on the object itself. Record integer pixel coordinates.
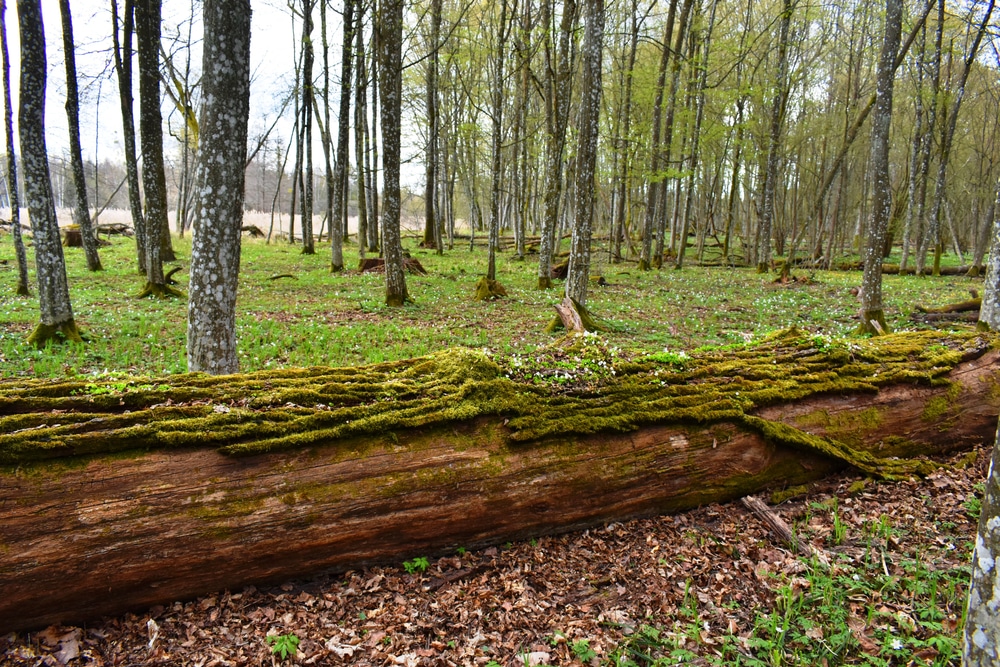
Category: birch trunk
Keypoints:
(872, 313)
(15, 204)
(390, 69)
(50, 267)
(215, 250)
(578, 275)
(981, 647)
(989, 312)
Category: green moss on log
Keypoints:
(279, 410)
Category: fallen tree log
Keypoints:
(118, 495)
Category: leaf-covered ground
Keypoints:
(711, 586)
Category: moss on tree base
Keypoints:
(581, 319)
(487, 290)
(873, 323)
(55, 333)
(159, 291)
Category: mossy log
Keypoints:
(120, 494)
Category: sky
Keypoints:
(272, 68)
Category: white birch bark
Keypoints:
(215, 251)
(578, 276)
(981, 647)
(872, 314)
(989, 312)
(50, 266)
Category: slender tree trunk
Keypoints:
(578, 275)
(50, 267)
(308, 94)
(624, 186)
(918, 142)
(431, 157)
(872, 313)
(702, 79)
(81, 212)
(668, 129)
(989, 311)
(15, 204)
(336, 233)
(338, 215)
(558, 89)
(215, 252)
(147, 19)
(389, 28)
(360, 134)
(981, 647)
(947, 137)
(773, 143)
(496, 138)
(371, 151)
(123, 67)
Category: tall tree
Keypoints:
(154, 181)
(215, 251)
(653, 190)
(308, 95)
(431, 239)
(578, 276)
(361, 133)
(981, 647)
(57, 323)
(778, 101)
(389, 28)
(338, 219)
(15, 204)
(947, 139)
(872, 314)
(123, 68)
(81, 212)
(989, 312)
(558, 86)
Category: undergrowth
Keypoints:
(318, 318)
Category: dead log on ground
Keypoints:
(121, 495)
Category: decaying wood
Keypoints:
(776, 524)
(569, 316)
(960, 307)
(928, 318)
(83, 537)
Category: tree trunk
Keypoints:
(578, 275)
(781, 86)
(981, 647)
(385, 462)
(872, 314)
(431, 239)
(81, 212)
(215, 252)
(361, 134)
(154, 182)
(340, 184)
(390, 65)
(989, 313)
(50, 266)
(123, 67)
(308, 93)
(15, 204)
(652, 188)
(558, 90)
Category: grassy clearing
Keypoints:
(319, 318)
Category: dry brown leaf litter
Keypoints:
(527, 602)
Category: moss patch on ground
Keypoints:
(590, 391)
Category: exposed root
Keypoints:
(159, 291)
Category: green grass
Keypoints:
(319, 318)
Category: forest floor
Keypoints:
(711, 586)
(887, 586)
